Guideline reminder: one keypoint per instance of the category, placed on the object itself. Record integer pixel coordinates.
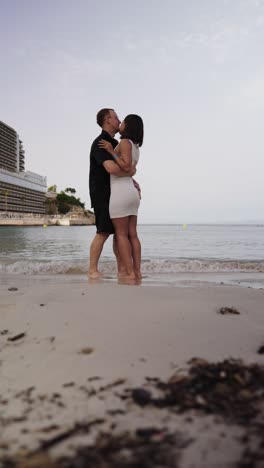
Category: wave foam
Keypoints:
(148, 266)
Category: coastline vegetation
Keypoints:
(63, 201)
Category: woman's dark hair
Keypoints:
(134, 129)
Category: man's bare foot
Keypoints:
(128, 281)
(95, 274)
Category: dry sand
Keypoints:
(81, 337)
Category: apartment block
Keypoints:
(20, 191)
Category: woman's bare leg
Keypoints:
(135, 245)
(121, 270)
(123, 244)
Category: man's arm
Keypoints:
(112, 168)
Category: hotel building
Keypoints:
(20, 191)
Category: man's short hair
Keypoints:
(101, 115)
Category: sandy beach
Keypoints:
(86, 345)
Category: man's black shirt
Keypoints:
(99, 178)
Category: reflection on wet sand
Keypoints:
(120, 280)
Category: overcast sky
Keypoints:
(194, 71)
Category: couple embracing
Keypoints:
(115, 195)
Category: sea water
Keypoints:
(169, 252)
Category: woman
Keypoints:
(125, 199)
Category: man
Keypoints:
(101, 166)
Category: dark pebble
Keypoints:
(228, 310)
(141, 396)
(147, 431)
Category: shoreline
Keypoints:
(242, 280)
(81, 337)
(46, 222)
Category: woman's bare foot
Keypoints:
(122, 273)
(95, 274)
(138, 274)
(131, 276)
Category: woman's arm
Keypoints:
(122, 155)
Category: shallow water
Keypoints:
(168, 251)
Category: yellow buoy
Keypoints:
(44, 225)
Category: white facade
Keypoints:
(17, 153)
(28, 180)
(20, 191)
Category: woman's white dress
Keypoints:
(124, 198)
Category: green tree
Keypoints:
(52, 188)
(66, 202)
(70, 190)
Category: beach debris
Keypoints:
(261, 350)
(88, 391)
(25, 394)
(78, 428)
(29, 460)
(253, 454)
(124, 450)
(141, 396)
(91, 379)
(228, 310)
(195, 361)
(111, 385)
(87, 350)
(56, 398)
(228, 388)
(52, 339)
(147, 432)
(92, 391)
(68, 384)
(12, 289)
(42, 305)
(47, 429)
(115, 412)
(4, 332)
(3, 446)
(127, 450)
(3, 401)
(152, 379)
(17, 337)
